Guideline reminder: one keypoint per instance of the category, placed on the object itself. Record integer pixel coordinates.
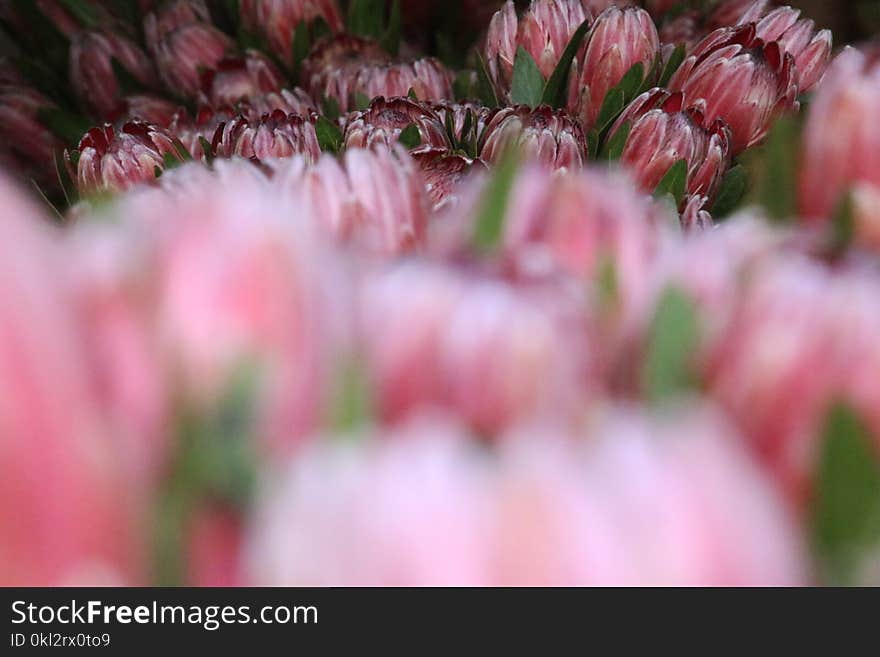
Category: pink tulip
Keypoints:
(841, 143)
(65, 514)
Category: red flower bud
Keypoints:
(735, 76)
(444, 172)
(236, 79)
(662, 132)
(545, 135)
(382, 123)
(111, 160)
(275, 135)
(291, 101)
(92, 56)
(619, 39)
(811, 50)
(277, 20)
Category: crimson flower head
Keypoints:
(114, 160)
(346, 69)
(92, 74)
(275, 135)
(663, 131)
(543, 31)
(184, 44)
(240, 78)
(619, 39)
(277, 20)
(735, 76)
(548, 136)
(384, 121)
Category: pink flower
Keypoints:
(242, 78)
(811, 50)
(445, 173)
(373, 198)
(24, 136)
(184, 43)
(191, 131)
(273, 136)
(149, 109)
(384, 120)
(543, 31)
(544, 135)
(277, 20)
(662, 131)
(291, 101)
(841, 142)
(113, 161)
(213, 548)
(91, 68)
(735, 76)
(489, 352)
(618, 40)
(66, 515)
(345, 68)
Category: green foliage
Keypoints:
(672, 343)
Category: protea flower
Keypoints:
(466, 114)
(291, 101)
(184, 44)
(24, 137)
(372, 198)
(811, 50)
(545, 135)
(274, 135)
(618, 40)
(240, 78)
(729, 13)
(543, 31)
(735, 76)
(65, 509)
(382, 123)
(114, 160)
(662, 131)
(277, 20)
(346, 68)
(147, 108)
(92, 57)
(194, 132)
(841, 141)
(444, 173)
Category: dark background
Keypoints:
(851, 20)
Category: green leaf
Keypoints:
(485, 88)
(489, 226)
(846, 508)
(128, 84)
(329, 135)
(463, 86)
(351, 405)
(672, 342)
(361, 100)
(82, 12)
(614, 148)
(731, 192)
(207, 149)
(773, 170)
(674, 183)
(410, 137)
(411, 94)
(320, 29)
(301, 46)
(68, 127)
(673, 64)
(331, 109)
(391, 38)
(554, 93)
(843, 226)
(619, 97)
(527, 86)
(366, 17)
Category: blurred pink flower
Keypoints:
(65, 514)
(275, 135)
(92, 76)
(544, 135)
(146, 108)
(277, 20)
(383, 121)
(618, 40)
(213, 548)
(735, 76)
(111, 160)
(24, 137)
(841, 145)
(234, 79)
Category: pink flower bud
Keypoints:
(841, 142)
(547, 136)
(191, 132)
(92, 55)
(275, 135)
(346, 68)
(277, 20)
(811, 50)
(65, 512)
(728, 13)
(456, 116)
(444, 174)
(149, 109)
(113, 161)
(290, 101)
(543, 31)
(734, 76)
(382, 123)
(236, 79)
(184, 44)
(374, 198)
(662, 132)
(618, 40)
